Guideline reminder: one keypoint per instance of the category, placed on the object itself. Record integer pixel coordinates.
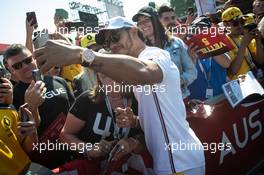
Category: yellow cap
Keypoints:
(88, 40)
(231, 13)
(248, 19)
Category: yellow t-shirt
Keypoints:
(69, 72)
(13, 159)
(244, 66)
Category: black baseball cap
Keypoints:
(144, 11)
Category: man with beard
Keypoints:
(172, 24)
(162, 113)
(167, 17)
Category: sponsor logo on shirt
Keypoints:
(6, 123)
(53, 93)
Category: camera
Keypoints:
(250, 27)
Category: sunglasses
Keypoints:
(26, 61)
(115, 36)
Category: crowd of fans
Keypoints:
(125, 131)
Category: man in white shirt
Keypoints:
(162, 112)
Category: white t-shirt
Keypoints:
(174, 116)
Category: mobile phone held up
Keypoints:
(32, 16)
(190, 11)
(37, 75)
(4, 74)
(23, 115)
(41, 38)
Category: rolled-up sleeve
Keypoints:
(189, 70)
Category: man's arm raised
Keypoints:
(121, 68)
(127, 69)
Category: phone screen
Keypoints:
(23, 115)
(190, 11)
(37, 75)
(32, 16)
(4, 74)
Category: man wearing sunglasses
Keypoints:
(249, 50)
(162, 113)
(47, 99)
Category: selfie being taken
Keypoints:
(145, 87)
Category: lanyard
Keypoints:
(209, 75)
(118, 132)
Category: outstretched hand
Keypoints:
(57, 53)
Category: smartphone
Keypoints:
(190, 11)
(41, 38)
(37, 75)
(23, 115)
(4, 74)
(250, 27)
(32, 16)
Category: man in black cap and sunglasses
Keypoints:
(162, 112)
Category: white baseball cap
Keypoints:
(115, 23)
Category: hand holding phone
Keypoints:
(31, 16)
(23, 114)
(27, 126)
(37, 75)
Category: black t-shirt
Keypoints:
(98, 121)
(58, 98)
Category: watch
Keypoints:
(87, 57)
